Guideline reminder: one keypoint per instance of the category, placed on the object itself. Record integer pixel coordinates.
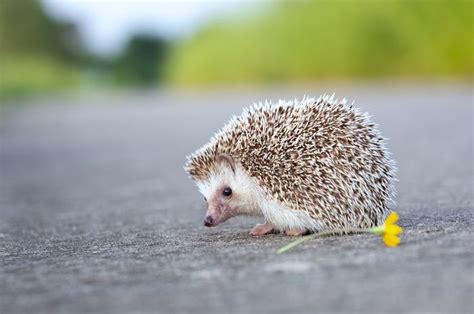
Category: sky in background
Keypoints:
(105, 25)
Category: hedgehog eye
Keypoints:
(227, 191)
(205, 199)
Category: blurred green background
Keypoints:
(285, 42)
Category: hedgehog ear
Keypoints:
(226, 159)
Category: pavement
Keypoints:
(97, 215)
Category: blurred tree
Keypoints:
(37, 53)
(25, 29)
(140, 59)
(324, 39)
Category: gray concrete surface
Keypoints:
(96, 214)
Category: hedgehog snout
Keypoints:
(214, 216)
(217, 214)
(209, 221)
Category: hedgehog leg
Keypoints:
(261, 229)
(296, 232)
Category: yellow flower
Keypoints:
(389, 230)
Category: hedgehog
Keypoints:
(304, 166)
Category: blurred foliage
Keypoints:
(26, 29)
(332, 39)
(37, 54)
(284, 41)
(31, 75)
(141, 62)
(41, 55)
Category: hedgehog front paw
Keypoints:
(296, 232)
(261, 229)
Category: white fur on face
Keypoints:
(239, 182)
(251, 200)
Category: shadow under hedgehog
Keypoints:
(305, 166)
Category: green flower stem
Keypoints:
(325, 234)
(377, 230)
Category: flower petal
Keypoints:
(393, 229)
(391, 219)
(391, 240)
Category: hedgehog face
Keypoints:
(226, 193)
(223, 196)
(221, 205)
